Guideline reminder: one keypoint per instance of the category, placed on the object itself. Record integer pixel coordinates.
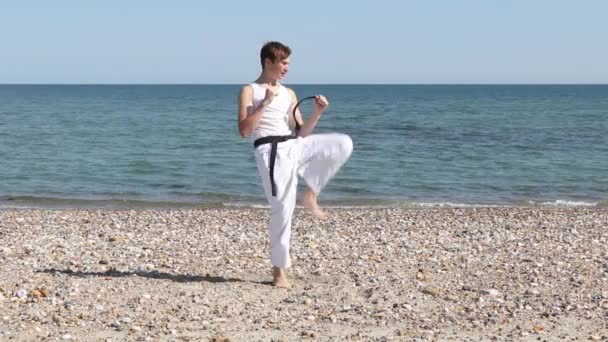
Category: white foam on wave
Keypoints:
(457, 205)
(556, 204)
(245, 205)
(566, 204)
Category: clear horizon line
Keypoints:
(305, 83)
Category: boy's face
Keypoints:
(279, 69)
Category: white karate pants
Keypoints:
(316, 158)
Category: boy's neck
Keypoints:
(264, 79)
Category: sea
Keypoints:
(419, 146)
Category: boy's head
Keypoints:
(273, 52)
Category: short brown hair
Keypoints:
(275, 51)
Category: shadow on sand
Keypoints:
(178, 278)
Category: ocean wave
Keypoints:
(231, 201)
(37, 202)
(245, 205)
(565, 204)
(459, 205)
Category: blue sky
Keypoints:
(382, 41)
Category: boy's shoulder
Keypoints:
(246, 87)
(291, 91)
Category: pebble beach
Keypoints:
(360, 274)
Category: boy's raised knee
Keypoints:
(346, 145)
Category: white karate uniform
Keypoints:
(316, 158)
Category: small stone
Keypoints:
(428, 332)
(21, 293)
(537, 329)
(431, 291)
(145, 268)
(532, 292)
(66, 337)
(309, 333)
(490, 292)
(36, 293)
(58, 320)
(118, 239)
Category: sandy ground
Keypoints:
(487, 274)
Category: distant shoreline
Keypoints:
(308, 84)
(32, 202)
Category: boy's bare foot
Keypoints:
(310, 202)
(279, 278)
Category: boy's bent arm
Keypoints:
(306, 127)
(248, 122)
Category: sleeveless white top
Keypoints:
(275, 119)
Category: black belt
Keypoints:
(274, 142)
